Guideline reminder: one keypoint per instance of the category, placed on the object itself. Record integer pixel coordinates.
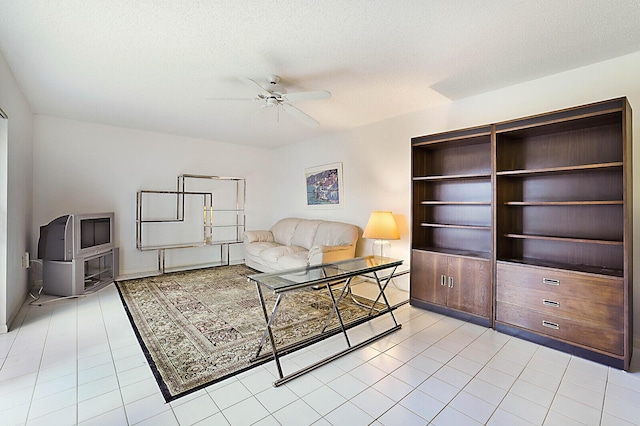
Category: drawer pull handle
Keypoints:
(450, 282)
(550, 281)
(550, 324)
(553, 303)
(443, 280)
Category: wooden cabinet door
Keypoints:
(426, 271)
(469, 285)
(456, 282)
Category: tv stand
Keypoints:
(85, 273)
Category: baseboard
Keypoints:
(145, 273)
(4, 328)
(464, 316)
(136, 275)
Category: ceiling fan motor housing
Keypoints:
(274, 79)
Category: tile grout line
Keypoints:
(432, 374)
(46, 338)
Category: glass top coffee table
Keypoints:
(335, 275)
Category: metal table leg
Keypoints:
(384, 296)
(268, 331)
(337, 310)
(350, 348)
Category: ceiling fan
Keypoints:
(276, 96)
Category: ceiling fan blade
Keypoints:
(306, 96)
(261, 90)
(258, 112)
(295, 112)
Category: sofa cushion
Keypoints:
(271, 256)
(294, 260)
(256, 249)
(335, 234)
(305, 233)
(283, 230)
(257, 236)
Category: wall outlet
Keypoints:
(25, 260)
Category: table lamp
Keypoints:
(382, 227)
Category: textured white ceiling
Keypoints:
(150, 64)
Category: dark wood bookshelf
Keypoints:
(455, 203)
(564, 203)
(454, 177)
(565, 239)
(539, 206)
(562, 169)
(444, 225)
(452, 205)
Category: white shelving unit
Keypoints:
(210, 215)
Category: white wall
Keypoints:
(376, 161)
(376, 158)
(15, 196)
(82, 168)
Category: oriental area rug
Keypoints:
(199, 327)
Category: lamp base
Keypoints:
(380, 243)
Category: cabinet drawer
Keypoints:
(608, 313)
(607, 290)
(578, 332)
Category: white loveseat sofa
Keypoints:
(293, 242)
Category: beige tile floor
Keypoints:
(77, 361)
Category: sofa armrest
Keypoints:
(258, 236)
(324, 254)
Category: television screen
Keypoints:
(95, 232)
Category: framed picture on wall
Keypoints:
(324, 186)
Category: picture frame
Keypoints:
(324, 186)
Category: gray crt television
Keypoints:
(74, 236)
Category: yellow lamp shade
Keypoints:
(381, 226)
